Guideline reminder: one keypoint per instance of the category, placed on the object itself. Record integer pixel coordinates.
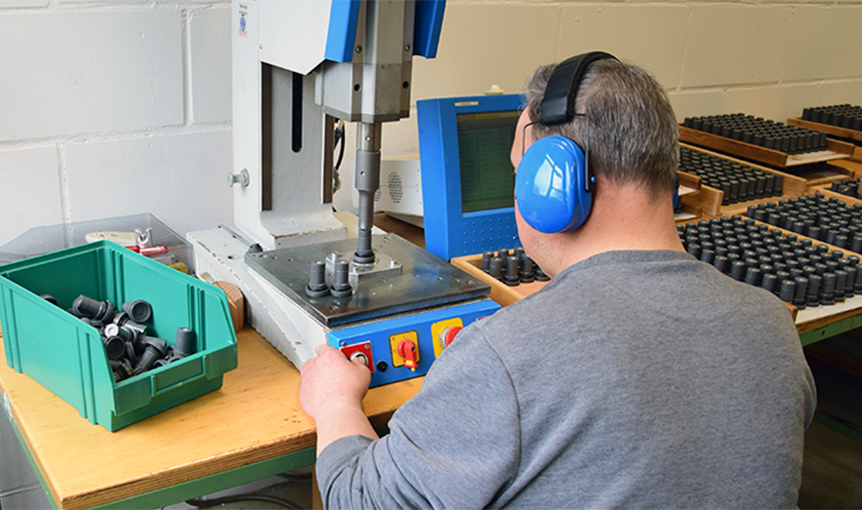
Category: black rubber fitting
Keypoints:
(752, 276)
(125, 335)
(99, 311)
(799, 292)
(487, 255)
(317, 286)
(850, 284)
(738, 270)
(526, 269)
(138, 310)
(811, 293)
(512, 278)
(840, 283)
(827, 292)
(496, 267)
(185, 344)
(155, 348)
(114, 347)
(788, 289)
(769, 282)
(341, 285)
(122, 369)
(722, 264)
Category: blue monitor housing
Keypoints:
(468, 180)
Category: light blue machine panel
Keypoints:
(379, 341)
(467, 178)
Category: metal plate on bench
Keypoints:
(423, 281)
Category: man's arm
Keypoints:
(453, 445)
(331, 393)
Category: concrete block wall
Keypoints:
(116, 107)
(110, 108)
(764, 58)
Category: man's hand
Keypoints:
(331, 392)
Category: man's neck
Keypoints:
(622, 218)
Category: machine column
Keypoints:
(367, 181)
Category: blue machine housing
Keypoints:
(376, 336)
(449, 232)
(341, 36)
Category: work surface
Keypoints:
(254, 417)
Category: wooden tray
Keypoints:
(793, 186)
(834, 149)
(829, 129)
(500, 292)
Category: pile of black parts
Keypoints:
(737, 181)
(849, 187)
(128, 342)
(841, 115)
(799, 271)
(761, 132)
(824, 219)
(512, 267)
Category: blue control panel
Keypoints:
(405, 346)
(468, 180)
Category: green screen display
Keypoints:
(487, 175)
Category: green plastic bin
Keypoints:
(65, 355)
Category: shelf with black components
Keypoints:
(730, 185)
(840, 122)
(806, 153)
(801, 249)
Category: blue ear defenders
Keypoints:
(553, 185)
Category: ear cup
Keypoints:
(550, 186)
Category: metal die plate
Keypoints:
(423, 280)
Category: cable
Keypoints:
(339, 137)
(206, 503)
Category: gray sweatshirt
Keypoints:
(633, 379)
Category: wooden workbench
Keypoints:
(253, 427)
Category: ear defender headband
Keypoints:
(553, 184)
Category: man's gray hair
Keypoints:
(633, 132)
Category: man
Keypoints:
(638, 377)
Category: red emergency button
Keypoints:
(448, 335)
(407, 350)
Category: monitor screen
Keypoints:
(487, 175)
(468, 183)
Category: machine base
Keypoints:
(285, 318)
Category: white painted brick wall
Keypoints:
(179, 178)
(30, 190)
(90, 72)
(210, 64)
(110, 108)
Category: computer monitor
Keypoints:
(468, 181)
